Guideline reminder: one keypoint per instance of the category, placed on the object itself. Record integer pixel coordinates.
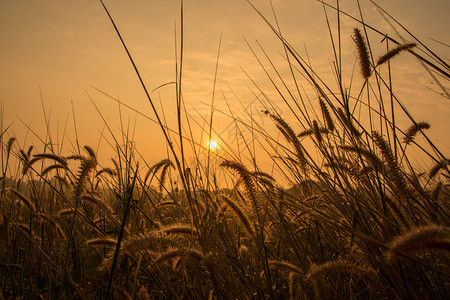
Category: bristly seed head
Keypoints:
(326, 115)
(429, 237)
(394, 52)
(413, 130)
(363, 53)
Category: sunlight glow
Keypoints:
(212, 145)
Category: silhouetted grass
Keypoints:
(345, 214)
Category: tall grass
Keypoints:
(347, 214)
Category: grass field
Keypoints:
(344, 213)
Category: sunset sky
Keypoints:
(68, 49)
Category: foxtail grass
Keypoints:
(424, 238)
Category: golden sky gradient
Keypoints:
(65, 48)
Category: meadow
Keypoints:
(345, 213)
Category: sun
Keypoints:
(213, 145)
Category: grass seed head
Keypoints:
(102, 242)
(424, 238)
(394, 52)
(238, 211)
(326, 115)
(285, 266)
(179, 229)
(437, 167)
(98, 202)
(413, 130)
(23, 199)
(170, 254)
(90, 151)
(10, 144)
(51, 156)
(363, 53)
(65, 212)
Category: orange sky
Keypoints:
(63, 48)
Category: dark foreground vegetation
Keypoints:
(347, 215)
